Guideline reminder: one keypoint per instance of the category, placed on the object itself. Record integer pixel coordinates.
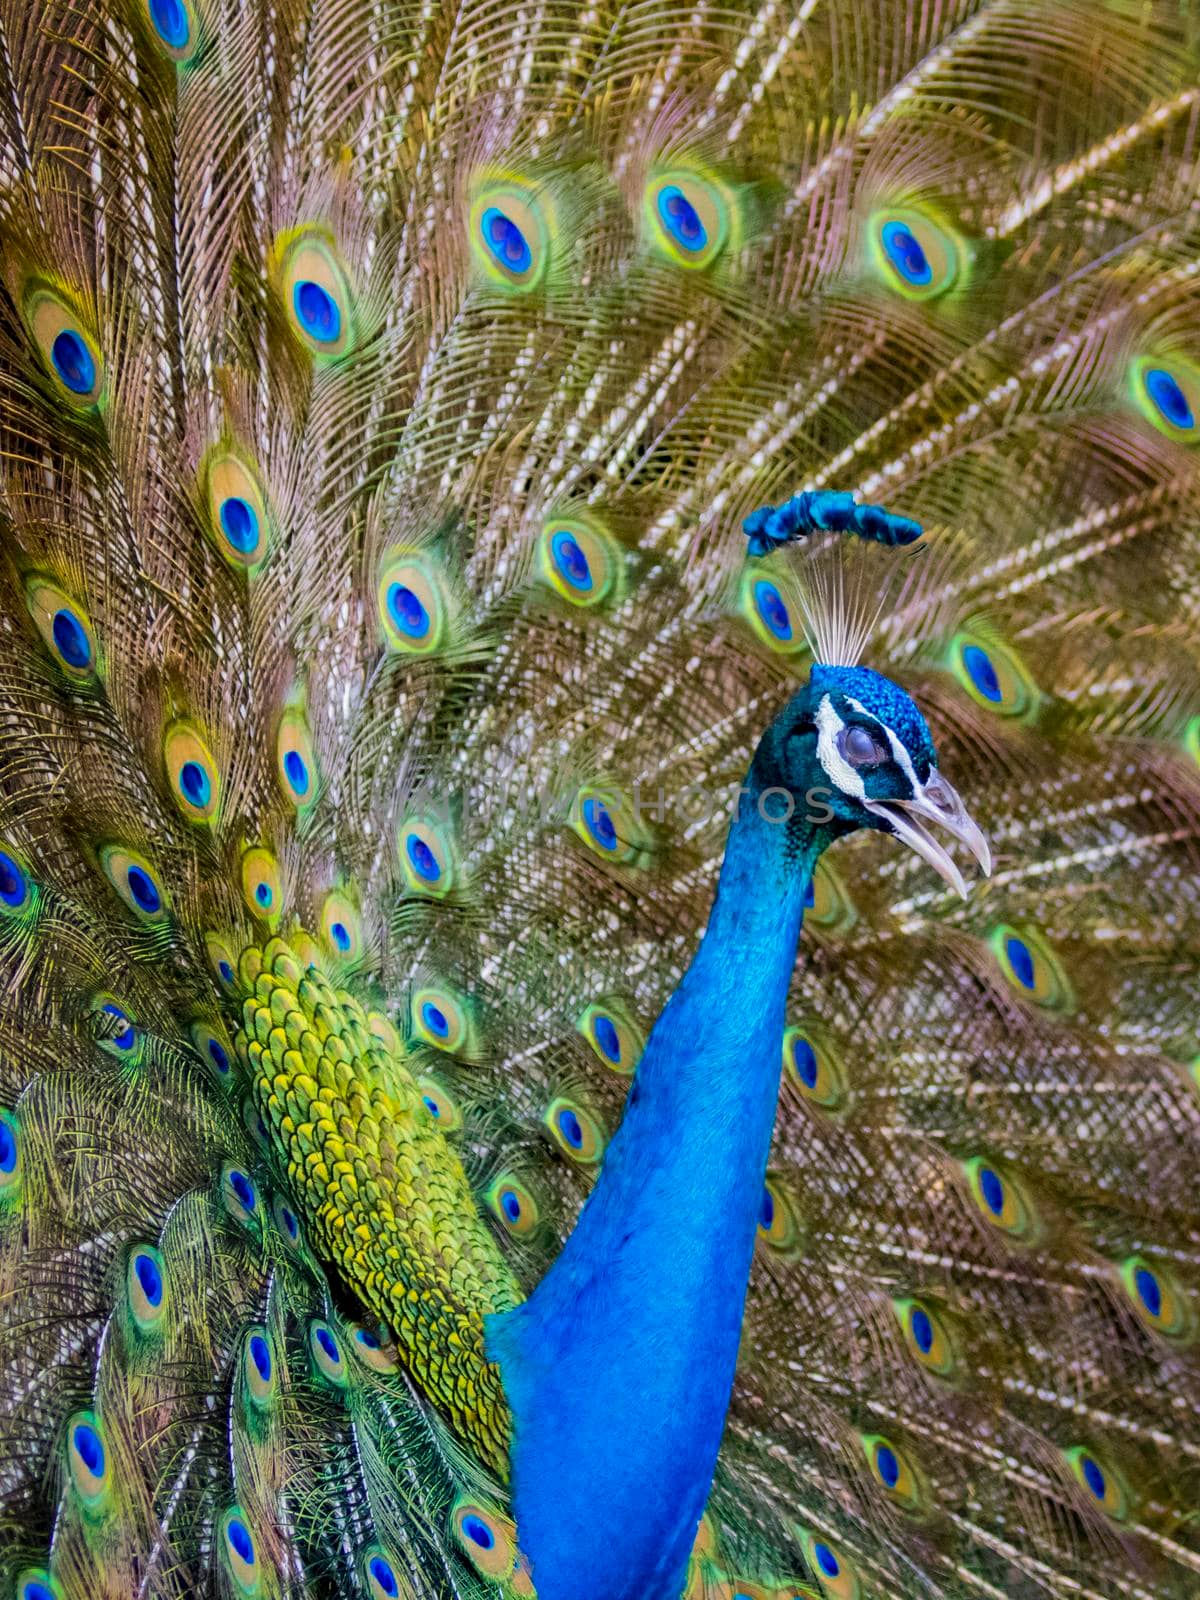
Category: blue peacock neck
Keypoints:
(618, 1369)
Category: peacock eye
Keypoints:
(861, 748)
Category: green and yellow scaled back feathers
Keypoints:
(382, 391)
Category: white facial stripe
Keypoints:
(899, 753)
(837, 769)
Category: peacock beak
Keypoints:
(936, 801)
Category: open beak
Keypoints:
(936, 802)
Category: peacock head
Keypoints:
(855, 745)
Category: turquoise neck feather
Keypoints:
(618, 1369)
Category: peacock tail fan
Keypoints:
(383, 391)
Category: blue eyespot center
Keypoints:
(8, 1148)
(36, 1590)
(570, 560)
(431, 1105)
(904, 251)
(407, 611)
(194, 782)
(435, 1019)
(991, 1187)
(424, 862)
(317, 311)
(826, 1559)
(475, 1529)
(510, 1204)
(1020, 960)
(242, 1188)
(240, 1541)
(329, 1344)
(505, 241)
(71, 640)
(143, 889)
(681, 219)
(1093, 1476)
(170, 22)
(263, 894)
(1168, 398)
(125, 1039)
(146, 1270)
(766, 1210)
(12, 881)
(383, 1575)
(341, 936)
(367, 1338)
(260, 1354)
(599, 823)
(226, 971)
(887, 1466)
(73, 362)
(921, 1326)
(218, 1055)
(239, 523)
(608, 1039)
(89, 1447)
(289, 1222)
(804, 1059)
(571, 1128)
(1149, 1290)
(982, 673)
(770, 606)
(296, 771)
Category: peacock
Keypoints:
(599, 799)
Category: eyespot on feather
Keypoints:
(135, 881)
(239, 1552)
(88, 1464)
(427, 857)
(380, 1574)
(831, 1567)
(262, 887)
(580, 560)
(510, 228)
(314, 286)
(411, 599)
(1165, 388)
(325, 1353)
(211, 1044)
(222, 961)
(575, 1131)
(440, 1018)
(341, 928)
(1002, 1199)
(117, 1034)
(18, 892)
(827, 902)
(192, 773)
(928, 1339)
(778, 1227)
(513, 1205)
(296, 761)
(609, 1028)
(440, 1104)
(239, 520)
(65, 627)
(486, 1538)
(915, 254)
(772, 610)
(608, 823)
(893, 1471)
(1156, 1297)
(1102, 1486)
(260, 1372)
(67, 344)
(815, 1069)
(371, 1351)
(288, 1227)
(10, 1157)
(1031, 967)
(176, 27)
(993, 674)
(239, 1196)
(35, 1583)
(690, 216)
